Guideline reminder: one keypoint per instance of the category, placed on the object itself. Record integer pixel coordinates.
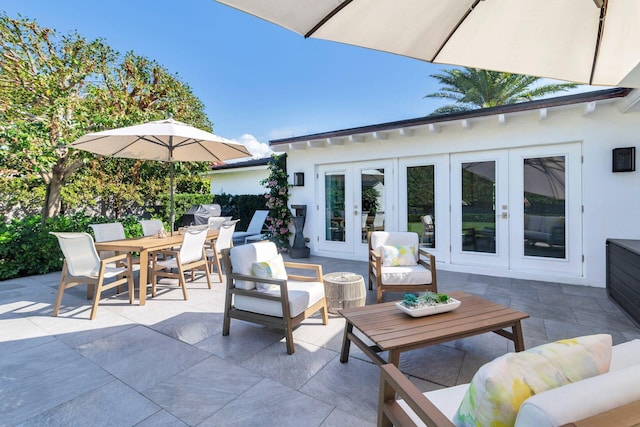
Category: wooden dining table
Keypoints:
(145, 245)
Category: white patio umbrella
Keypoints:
(163, 140)
(585, 41)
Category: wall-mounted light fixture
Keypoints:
(298, 179)
(624, 159)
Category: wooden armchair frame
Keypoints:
(425, 259)
(285, 323)
(393, 382)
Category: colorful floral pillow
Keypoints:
(271, 269)
(499, 387)
(394, 256)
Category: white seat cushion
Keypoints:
(625, 354)
(405, 275)
(446, 400)
(301, 296)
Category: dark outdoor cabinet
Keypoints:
(623, 275)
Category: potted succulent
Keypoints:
(427, 303)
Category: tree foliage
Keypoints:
(473, 88)
(55, 89)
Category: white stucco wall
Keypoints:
(239, 181)
(611, 200)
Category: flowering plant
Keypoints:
(277, 199)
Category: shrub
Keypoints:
(27, 248)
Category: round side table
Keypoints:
(344, 290)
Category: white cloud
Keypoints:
(287, 132)
(257, 148)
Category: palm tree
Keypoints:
(473, 88)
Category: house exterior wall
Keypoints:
(611, 201)
(239, 181)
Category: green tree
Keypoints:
(473, 88)
(42, 84)
(55, 89)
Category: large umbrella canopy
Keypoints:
(163, 140)
(585, 41)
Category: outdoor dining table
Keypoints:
(144, 245)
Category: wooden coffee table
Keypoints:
(394, 331)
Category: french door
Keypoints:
(354, 199)
(480, 209)
(518, 209)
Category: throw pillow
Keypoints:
(395, 256)
(271, 269)
(499, 387)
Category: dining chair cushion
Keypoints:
(301, 296)
(499, 387)
(405, 275)
(394, 256)
(242, 258)
(269, 269)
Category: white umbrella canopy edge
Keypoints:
(584, 41)
(163, 140)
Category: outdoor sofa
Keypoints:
(616, 387)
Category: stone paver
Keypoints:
(167, 363)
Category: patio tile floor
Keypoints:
(167, 363)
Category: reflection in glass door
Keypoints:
(478, 206)
(372, 195)
(421, 203)
(546, 224)
(544, 207)
(334, 184)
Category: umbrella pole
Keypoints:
(172, 214)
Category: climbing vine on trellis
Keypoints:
(277, 200)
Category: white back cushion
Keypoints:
(395, 238)
(581, 399)
(243, 256)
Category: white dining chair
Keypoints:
(223, 241)
(191, 256)
(83, 265)
(150, 227)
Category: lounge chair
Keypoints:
(254, 229)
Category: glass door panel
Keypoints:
(478, 204)
(544, 215)
(334, 183)
(546, 224)
(421, 203)
(372, 198)
(479, 208)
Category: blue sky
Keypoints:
(258, 81)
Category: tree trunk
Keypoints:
(52, 200)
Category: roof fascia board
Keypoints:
(427, 121)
